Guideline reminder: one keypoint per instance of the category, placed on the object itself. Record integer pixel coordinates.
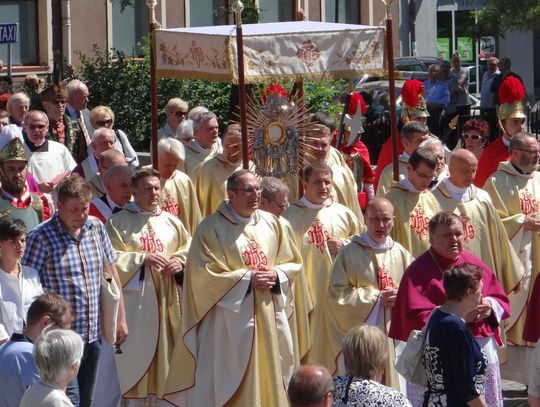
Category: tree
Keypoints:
(502, 16)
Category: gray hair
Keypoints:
(196, 111)
(271, 186)
(413, 127)
(74, 85)
(34, 112)
(518, 140)
(56, 352)
(431, 142)
(185, 129)
(175, 103)
(172, 146)
(116, 170)
(17, 97)
(103, 131)
(233, 181)
(202, 118)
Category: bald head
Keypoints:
(462, 168)
(110, 158)
(311, 386)
(379, 219)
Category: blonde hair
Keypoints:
(17, 97)
(98, 113)
(365, 350)
(175, 103)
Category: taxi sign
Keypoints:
(8, 33)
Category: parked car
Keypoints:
(415, 64)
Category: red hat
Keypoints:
(275, 90)
(412, 100)
(511, 92)
(356, 99)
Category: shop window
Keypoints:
(24, 12)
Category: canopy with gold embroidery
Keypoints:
(272, 52)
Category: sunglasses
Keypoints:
(103, 123)
(179, 113)
(472, 137)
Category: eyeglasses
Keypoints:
(249, 189)
(472, 137)
(533, 152)
(36, 126)
(282, 205)
(103, 123)
(180, 113)
(59, 102)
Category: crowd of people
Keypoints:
(243, 290)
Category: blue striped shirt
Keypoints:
(72, 267)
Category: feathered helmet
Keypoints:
(413, 103)
(511, 92)
(354, 118)
(274, 90)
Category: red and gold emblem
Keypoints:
(149, 242)
(254, 257)
(196, 53)
(170, 205)
(468, 228)
(419, 222)
(529, 205)
(318, 235)
(385, 279)
(309, 53)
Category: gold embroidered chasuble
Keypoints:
(387, 175)
(516, 195)
(133, 234)
(412, 211)
(178, 197)
(312, 229)
(358, 275)
(251, 359)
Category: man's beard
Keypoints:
(10, 187)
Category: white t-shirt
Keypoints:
(16, 295)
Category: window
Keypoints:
(24, 12)
(272, 11)
(129, 26)
(207, 13)
(347, 11)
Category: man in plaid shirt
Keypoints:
(69, 251)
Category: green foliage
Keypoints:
(501, 16)
(123, 84)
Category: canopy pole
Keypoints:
(392, 88)
(237, 8)
(153, 25)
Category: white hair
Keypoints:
(202, 118)
(184, 131)
(17, 97)
(74, 85)
(57, 351)
(431, 142)
(195, 111)
(173, 146)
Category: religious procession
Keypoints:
(285, 258)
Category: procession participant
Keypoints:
(211, 175)
(511, 121)
(362, 289)
(48, 159)
(17, 107)
(436, 147)
(311, 386)
(237, 336)
(103, 140)
(515, 191)
(117, 181)
(151, 247)
(275, 199)
(413, 108)
(413, 134)
(176, 111)
(413, 203)
(70, 252)
(206, 142)
(178, 195)
(484, 233)
(107, 159)
(17, 368)
(77, 100)
(54, 99)
(16, 199)
(321, 227)
(421, 290)
(320, 151)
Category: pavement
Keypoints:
(514, 393)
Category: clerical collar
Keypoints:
(444, 263)
(368, 241)
(110, 202)
(307, 203)
(237, 163)
(405, 156)
(137, 208)
(33, 148)
(410, 187)
(519, 170)
(457, 193)
(199, 148)
(239, 218)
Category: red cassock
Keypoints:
(421, 289)
(385, 158)
(488, 163)
(531, 331)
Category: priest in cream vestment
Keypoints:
(414, 204)
(178, 195)
(151, 245)
(236, 286)
(515, 191)
(321, 227)
(485, 236)
(362, 289)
